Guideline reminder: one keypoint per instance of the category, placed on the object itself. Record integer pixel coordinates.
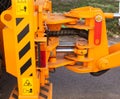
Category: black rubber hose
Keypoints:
(68, 32)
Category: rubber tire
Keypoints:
(4, 4)
(98, 73)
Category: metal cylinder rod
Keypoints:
(63, 44)
(64, 50)
(119, 13)
(116, 15)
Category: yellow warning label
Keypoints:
(22, 7)
(27, 86)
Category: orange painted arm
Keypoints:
(109, 15)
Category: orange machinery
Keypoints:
(33, 49)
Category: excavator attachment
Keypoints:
(33, 47)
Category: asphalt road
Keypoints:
(69, 85)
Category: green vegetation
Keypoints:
(105, 5)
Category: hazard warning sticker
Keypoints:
(27, 86)
(22, 7)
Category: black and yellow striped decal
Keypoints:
(23, 33)
(21, 37)
(25, 66)
(26, 56)
(24, 50)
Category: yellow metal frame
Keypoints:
(24, 38)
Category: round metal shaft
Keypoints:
(116, 15)
(65, 50)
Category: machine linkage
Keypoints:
(31, 36)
